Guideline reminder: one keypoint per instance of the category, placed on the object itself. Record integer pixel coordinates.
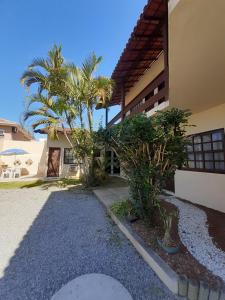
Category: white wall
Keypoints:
(62, 143)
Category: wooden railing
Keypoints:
(146, 100)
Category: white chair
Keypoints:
(7, 173)
(16, 173)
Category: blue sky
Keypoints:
(29, 28)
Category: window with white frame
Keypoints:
(69, 156)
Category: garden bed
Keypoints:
(183, 262)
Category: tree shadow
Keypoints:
(72, 236)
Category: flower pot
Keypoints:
(169, 250)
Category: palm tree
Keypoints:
(65, 92)
(94, 89)
(49, 116)
(50, 74)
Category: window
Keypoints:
(69, 156)
(1, 132)
(206, 152)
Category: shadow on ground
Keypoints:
(71, 236)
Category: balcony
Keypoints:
(152, 98)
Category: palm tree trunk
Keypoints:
(81, 116)
(90, 119)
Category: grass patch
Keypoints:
(123, 208)
(35, 183)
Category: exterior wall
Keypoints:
(207, 189)
(156, 68)
(61, 143)
(196, 60)
(9, 135)
(37, 153)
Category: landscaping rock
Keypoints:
(194, 234)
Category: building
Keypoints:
(60, 159)
(175, 58)
(12, 135)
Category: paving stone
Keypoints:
(183, 286)
(203, 291)
(193, 289)
(214, 294)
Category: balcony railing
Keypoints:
(155, 92)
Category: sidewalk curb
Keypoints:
(161, 269)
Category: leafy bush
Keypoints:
(123, 208)
(150, 150)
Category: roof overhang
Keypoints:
(142, 49)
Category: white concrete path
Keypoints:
(93, 287)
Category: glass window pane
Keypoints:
(199, 164)
(206, 138)
(207, 147)
(216, 136)
(191, 164)
(219, 165)
(198, 147)
(189, 148)
(218, 146)
(191, 156)
(199, 156)
(218, 155)
(197, 139)
(208, 156)
(209, 165)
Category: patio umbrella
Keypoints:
(13, 151)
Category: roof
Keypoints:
(142, 49)
(5, 122)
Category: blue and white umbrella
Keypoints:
(13, 151)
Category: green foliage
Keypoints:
(64, 94)
(123, 208)
(149, 150)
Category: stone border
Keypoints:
(176, 283)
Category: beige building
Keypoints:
(12, 135)
(60, 160)
(175, 58)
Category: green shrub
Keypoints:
(150, 149)
(123, 208)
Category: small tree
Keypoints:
(150, 150)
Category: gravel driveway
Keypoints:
(48, 238)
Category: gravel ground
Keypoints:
(193, 231)
(48, 238)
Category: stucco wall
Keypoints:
(37, 153)
(196, 54)
(9, 135)
(156, 68)
(207, 189)
(62, 143)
